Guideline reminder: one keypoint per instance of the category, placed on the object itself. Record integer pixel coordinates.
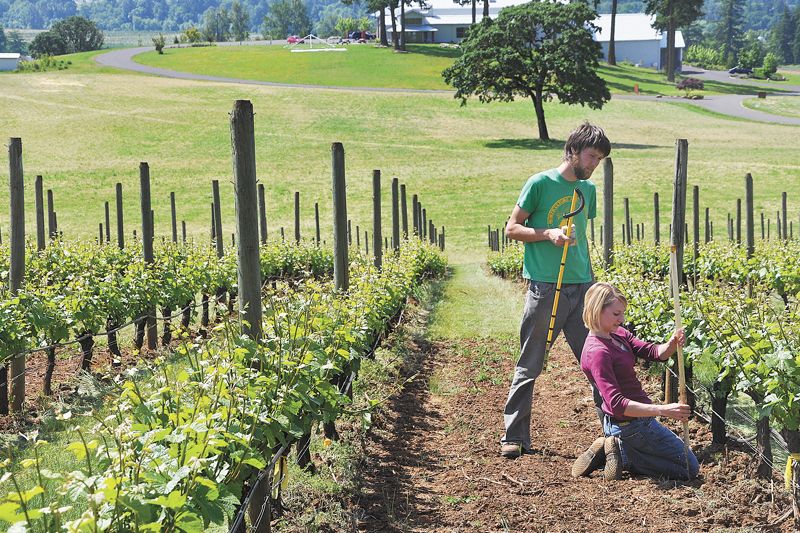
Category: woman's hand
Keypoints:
(678, 339)
(676, 411)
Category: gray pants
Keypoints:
(533, 344)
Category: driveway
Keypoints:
(728, 104)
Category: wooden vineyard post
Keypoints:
(696, 223)
(608, 212)
(749, 219)
(738, 221)
(120, 225)
(441, 240)
(244, 173)
(707, 235)
(377, 232)
(404, 210)
(147, 246)
(316, 223)
(297, 216)
(41, 242)
(262, 212)
(656, 220)
(174, 217)
(52, 230)
(627, 211)
(17, 267)
(677, 239)
(395, 214)
(676, 295)
(414, 215)
(784, 224)
(217, 220)
(183, 231)
(108, 222)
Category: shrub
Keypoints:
(159, 41)
(770, 64)
(688, 84)
(703, 56)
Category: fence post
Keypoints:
(738, 221)
(217, 220)
(340, 243)
(395, 214)
(51, 216)
(108, 222)
(424, 223)
(40, 239)
(120, 225)
(749, 222)
(183, 231)
(441, 240)
(262, 212)
(404, 210)
(174, 217)
(784, 224)
(377, 231)
(708, 227)
(608, 212)
(297, 216)
(656, 220)
(679, 202)
(147, 246)
(17, 267)
(316, 221)
(627, 214)
(414, 214)
(696, 221)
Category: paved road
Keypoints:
(729, 104)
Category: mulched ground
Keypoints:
(434, 463)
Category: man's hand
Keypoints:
(558, 236)
(676, 411)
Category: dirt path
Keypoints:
(434, 464)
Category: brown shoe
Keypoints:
(511, 450)
(613, 469)
(590, 460)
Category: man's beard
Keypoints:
(580, 172)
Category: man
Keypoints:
(536, 220)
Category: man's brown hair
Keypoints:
(587, 136)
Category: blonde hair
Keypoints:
(598, 297)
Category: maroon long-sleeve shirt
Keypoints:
(608, 363)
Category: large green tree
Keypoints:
(782, 36)
(728, 31)
(216, 25)
(73, 34)
(287, 17)
(48, 44)
(539, 50)
(669, 16)
(2, 39)
(240, 22)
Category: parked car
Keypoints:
(740, 70)
(360, 36)
(295, 39)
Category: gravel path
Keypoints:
(729, 104)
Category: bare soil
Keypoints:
(433, 461)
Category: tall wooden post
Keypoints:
(244, 173)
(784, 223)
(316, 222)
(174, 217)
(404, 210)
(377, 231)
(696, 222)
(656, 220)
(120, 224)
(749, 220)
(738, 221)
(414, 215)
(297, 216)
(679, 202)
(395, 214)
(108, 222)
(16, 272)
(147, 246)
(608, 212)
(51, 216)
(627, 212)
(41, 242)
(262, 212)
(217, 212)
(341, 274)
(708, 227)
(763, 235)
(183, 231)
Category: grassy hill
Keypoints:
(84, 129)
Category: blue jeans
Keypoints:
(650, 449)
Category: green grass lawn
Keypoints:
(788, 106)
(371, 66)
(84, 131)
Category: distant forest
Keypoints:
(173, 15)
(146, 15)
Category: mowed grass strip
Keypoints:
(365, 65)
(362, 65)
(788, 106)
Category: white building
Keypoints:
(444, 21)
(9, 61)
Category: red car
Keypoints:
(295, 39)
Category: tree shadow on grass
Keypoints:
(434, 51)
(538, 144)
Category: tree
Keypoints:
(782, 36)
(669, 16)
(538, 50)
(612, 49)
(728, 31)
(159, 42)
(192, 34)
(287, 17)
(2, 39)
(216, 25)
(240, 22)
(345, 25)
(79, 34)
(48, 43)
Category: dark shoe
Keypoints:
(613, 468)
(511, 450)
(591, 459)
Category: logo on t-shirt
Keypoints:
(559, 208)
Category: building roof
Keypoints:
(8, 55)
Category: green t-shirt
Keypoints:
(547, 196)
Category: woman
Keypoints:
(634, 440)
